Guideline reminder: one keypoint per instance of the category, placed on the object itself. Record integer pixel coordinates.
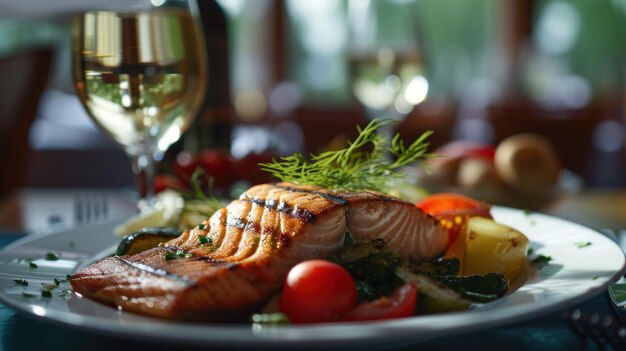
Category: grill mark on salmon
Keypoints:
(155, 271)
(255, 240)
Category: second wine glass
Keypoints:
(386, 59)
(141, 74)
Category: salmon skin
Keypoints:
(248, 249)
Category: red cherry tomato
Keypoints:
(163, 182)
(317, 291)
(401, 303)
(219, 166)
(452, 210)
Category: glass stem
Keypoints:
(144, 170)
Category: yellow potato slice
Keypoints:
(485, 246)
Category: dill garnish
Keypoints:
(356, 167)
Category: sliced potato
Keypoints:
(485, 246)
(144, 239)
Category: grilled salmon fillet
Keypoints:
(249, 248)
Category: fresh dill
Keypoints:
(198, 201)
(363, 165)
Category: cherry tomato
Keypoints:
(401, 303)
(163, 182)
(452, 210)
(317, 291)
(219, 166)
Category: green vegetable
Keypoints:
(580, 245)
(478, 287)
(46, 293)
(372, 266)
(32, 265)
(144, 239)
(21, 282)
(434, 296)
(51, 257)
(364, 164)
(441, 267)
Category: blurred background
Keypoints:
(282, 80)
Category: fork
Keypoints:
(603, 331)
(90, 208)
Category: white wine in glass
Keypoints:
(385, 55)
(141, 75)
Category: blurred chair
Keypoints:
(24, 77)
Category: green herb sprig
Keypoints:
(197, 200)
(356, 167)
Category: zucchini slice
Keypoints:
(144, 239)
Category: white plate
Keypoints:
(574, 274)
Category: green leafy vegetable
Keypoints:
(46, 293)
(356, 167)
(441, 267)
(204, 240)
(32, 265)
(373, 267)
(479, 287)
(582, 244)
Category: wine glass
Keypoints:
(385, 58)
(141, 74)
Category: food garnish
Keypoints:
(51, 257)
(354, 168)
(582, 244)
(21, 282)
(179, 209)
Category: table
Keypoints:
(598, 209)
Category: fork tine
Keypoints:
(89, 208)
(78, 209)
(604, 332)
